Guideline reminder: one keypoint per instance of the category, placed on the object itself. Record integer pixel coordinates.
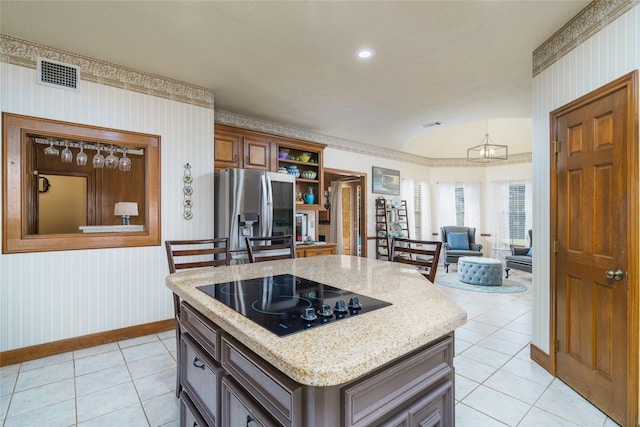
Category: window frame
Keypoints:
(15, 200)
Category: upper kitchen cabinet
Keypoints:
(246, 149)
(304, 159)
(257, 153)
(237, 148)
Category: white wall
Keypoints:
(607, 55)
(339, 159)
(51, 296)
(345, 160)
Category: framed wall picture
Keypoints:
(385, 181)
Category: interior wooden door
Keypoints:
(347, 220)
(354, 216)
(596, 315)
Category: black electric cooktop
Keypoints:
(285, 304)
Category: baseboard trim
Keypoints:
(25, 354)
(540, 357)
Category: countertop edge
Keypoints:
(312, 369)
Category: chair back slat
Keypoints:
(183, 254)
(269, 248)
(200, 264)
(420, 253)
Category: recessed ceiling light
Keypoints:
(365, 53)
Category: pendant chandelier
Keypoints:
(487, 151)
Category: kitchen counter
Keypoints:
(342, 351)
(315, 249)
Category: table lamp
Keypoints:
(126, 210)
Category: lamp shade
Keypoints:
(126, 208)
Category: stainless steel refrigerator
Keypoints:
(252, 203)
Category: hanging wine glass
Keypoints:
(125, 162)
(98, 159)
(50, 150)
(66, 156)
(81, 158)
(111, 162)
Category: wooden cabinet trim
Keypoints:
(259, 150)
(16, 236)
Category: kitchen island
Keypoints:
(390, 366)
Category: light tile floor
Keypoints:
(132, 382)
(128, 383)
(497, 383)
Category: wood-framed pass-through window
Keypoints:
(51, 201)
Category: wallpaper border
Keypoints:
(24, 53)
(251, 123)
(594, 17)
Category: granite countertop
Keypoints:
(342, 351)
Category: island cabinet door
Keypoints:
(189, 415)
(203, 331)
(201, 378)
(238, 409)
(434, 409)
(394, 391)
(279, 395)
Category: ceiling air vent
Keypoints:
(58, 74)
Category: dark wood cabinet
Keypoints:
(245, 149)
(226, 384)
(239, 409)
(189, 415)
(200, 377)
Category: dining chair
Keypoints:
(185, 254)
(423, 254)
(268, 248)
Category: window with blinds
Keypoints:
(417, 206)
(459, 204)
(517, 214)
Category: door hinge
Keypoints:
(555, 246)
(556, 146)
(556, 346)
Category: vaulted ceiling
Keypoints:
(466, 64)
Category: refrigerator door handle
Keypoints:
(266, 226)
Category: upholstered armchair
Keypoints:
(520, 258)
(458, 241)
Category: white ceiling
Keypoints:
(464, 63)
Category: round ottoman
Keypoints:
(480, 271)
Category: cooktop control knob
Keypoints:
(341, 307)
(325, 311)
(354, 303)
(309, 315)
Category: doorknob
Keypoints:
(615, 275)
